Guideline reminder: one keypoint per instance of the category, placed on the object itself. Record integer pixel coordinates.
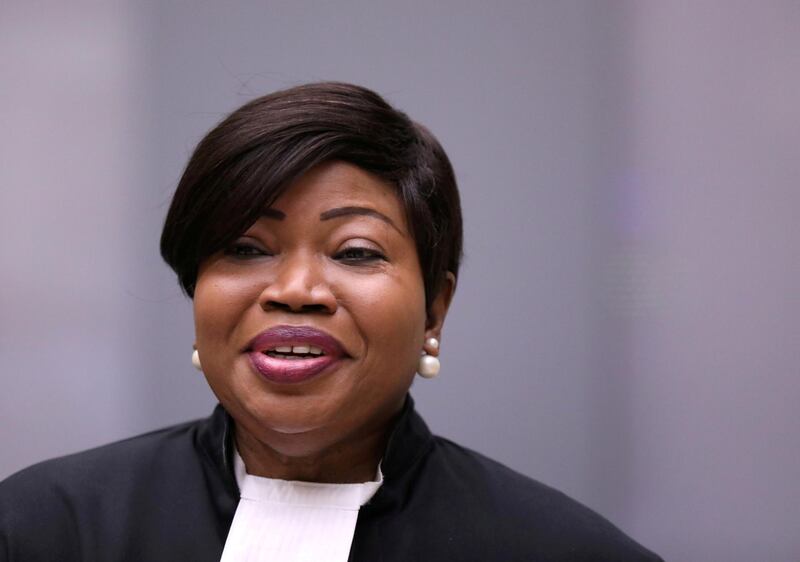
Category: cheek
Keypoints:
(219, 304)
(389, 311)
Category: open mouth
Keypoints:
(294, 352)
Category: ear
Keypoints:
(439, 307)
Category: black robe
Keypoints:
(170, 495)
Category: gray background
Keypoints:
(627, 323)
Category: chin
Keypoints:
(296, 417)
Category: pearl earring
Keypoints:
(429, 365)
(196, 360)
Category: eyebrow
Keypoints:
(363, 211)
(270, 213)
(273, 214)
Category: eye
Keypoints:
(243, 250)
(357, 255)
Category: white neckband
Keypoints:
(292, 521)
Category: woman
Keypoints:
(318, 232)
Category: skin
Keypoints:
(356, 277)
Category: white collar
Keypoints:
(294, 521)
(343, 496)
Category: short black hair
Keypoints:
(244, 164)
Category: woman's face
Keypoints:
(333, 256)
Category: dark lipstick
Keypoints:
(292, 354)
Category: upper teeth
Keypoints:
(298, 349)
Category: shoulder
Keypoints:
(95, 467)
(522, 511)
(53, 502)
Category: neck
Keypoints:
(349, 461)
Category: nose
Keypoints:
(299, 285)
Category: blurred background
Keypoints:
(627, 323)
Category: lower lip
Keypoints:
(280, 370)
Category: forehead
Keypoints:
(339, 184)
